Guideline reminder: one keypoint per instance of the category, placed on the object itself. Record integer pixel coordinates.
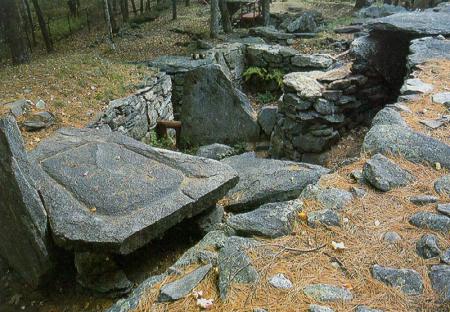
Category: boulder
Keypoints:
(305, 23)
(329, 198)
(442, 186)
(427, 246)
(183, 286)
(304, 86)
(408, 281)
(421, 200)
(431, 221)
(388, 116)
(38, 121)
(312, 61)
(415, 86)
(267, 180)
(280, 281)
(413, 146)
(214, 111)
(270, 220)
(215, 151)
(414, 23)
(440, 281)
(328, 293)
(234, 264)
(88, 171)
(377, 11)
(384, 174)
(210, 220)
(425, 49)
(267, 118)
(24, 232)
(18, 108)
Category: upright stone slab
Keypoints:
(23, 220)
(214, 111)
(106, 192)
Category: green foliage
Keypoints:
(259, 73)
(266, 97)
(166, 143)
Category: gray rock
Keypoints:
(268, 180)
(440, 281)
(444, 209)
(183, 286)
(211, 219)
(388, 116)
(415, 85)
(358, 192)
(305, 86)
(40, 104)
(137, 295)
(18, 108)
(304, 23)
(99, 272)
(214, 111)
(442, 185)
(432, 221)
(259, 310)
(89, 169)
(319, 308)
(442, 98)
(267, 118)
(280, 281)
(384, 174)
(234, 264)
(414, 23)
(312, 61)
(433, 123)
(270, 33)
(424, 49)
(215, 151)
(24, 231)
(413, 146)
(362, 308)
(292, 100)
(328, 198)
(423, 199)
(377, 11)
(427, 246)
(409, 281)
(325, 217)
(327, 293)
(325, 107)
(38, 121)
(270, 220)
(391, 237)
(445, 256)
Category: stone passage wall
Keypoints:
(317, 107)
(137, 114)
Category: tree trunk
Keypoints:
(226, 20)
(187, 2)
(174, 9)
(147, 5)
(215, 23)
(107, 7)
(266, 12)
(133, 5)
(124, 10)
(43, 26)
(360, 4)
(9, 14)
(112, 19)
(30, 21)
(141, 8)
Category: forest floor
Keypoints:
(77, 82)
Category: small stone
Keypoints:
(427, 246)
(391, 237)
(280, 281)
(327, 293)
(326, 217)
(428, 220)
(215, 151)
(440, 280)
(384, 174)
(357, 175)
(409, 281)
(40, 104)
(432, 123)
(442, 185)
(362, 308)
(38, 121)
(414, 86)
(444, 209)
(259, 310)
(358, 192)
(340, 84)
(319, 308)
(329, 198)
(442, 98)
(183, 287)
(445, 256)
(421, 200)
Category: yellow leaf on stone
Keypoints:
(303, 216)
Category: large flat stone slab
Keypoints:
(107, 191)
(268, 180)
(24, 239)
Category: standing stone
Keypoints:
(24, 241)
(214, 111)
